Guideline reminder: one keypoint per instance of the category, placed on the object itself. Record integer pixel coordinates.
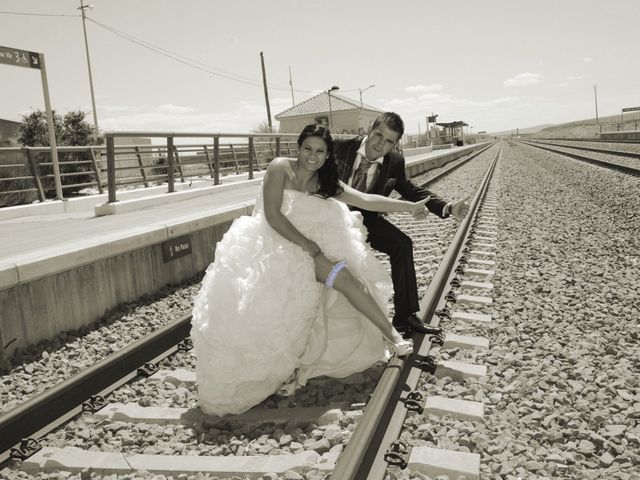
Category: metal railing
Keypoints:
(259, 149)
(32, 165)
(28, 170)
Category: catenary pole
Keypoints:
(93, 98)
(266, 92)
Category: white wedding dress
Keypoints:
(261, 320)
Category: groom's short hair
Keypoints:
(392, 120)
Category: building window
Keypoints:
(324, 121)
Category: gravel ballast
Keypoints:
(562, 395)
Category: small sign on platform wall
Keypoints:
(176, 248)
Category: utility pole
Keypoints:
(266, 93)
(361, 91)
(293, 100)
(595, 96)
(86, 46)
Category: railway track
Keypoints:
(630, 170)
(591, 140)
(86, 393)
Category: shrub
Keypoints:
(70, 130)
(19, 198)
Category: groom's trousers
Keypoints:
(387, 238)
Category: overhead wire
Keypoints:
(173, 55)
(39, 14)
(188, 61)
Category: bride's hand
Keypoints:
(418, 209)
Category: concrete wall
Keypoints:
(69, 299)
(417, 166)
(624, 135)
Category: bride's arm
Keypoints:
(378, 203)
(273, 191)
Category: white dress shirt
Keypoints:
(370, 173)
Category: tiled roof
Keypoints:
(320, 104)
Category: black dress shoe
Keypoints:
(415, 324)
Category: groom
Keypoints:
(369, 165)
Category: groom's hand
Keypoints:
(460, 209)
(421, 215)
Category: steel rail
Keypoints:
(591, 149)
(365, 442)
(600, 163)
(46, 411)
(374, 466)
(596, 140)
(446, 172)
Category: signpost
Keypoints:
(23, 58)
(176, 248)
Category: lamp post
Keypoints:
(330, 110)
(86, 46)
(364, 90)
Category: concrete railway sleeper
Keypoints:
(310, 434)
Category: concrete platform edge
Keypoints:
(41, 263)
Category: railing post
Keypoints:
(170, 179)
(175, 150)
(111, 169)
(216, 160)
(277, 146)
(208, 159)
(250, 158)
(143, 174)
(235, 158)
(34, 171)
(96, 170)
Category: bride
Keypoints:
(294, 291)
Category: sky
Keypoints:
(495, 64)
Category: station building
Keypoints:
(348, 116)
(8, 133)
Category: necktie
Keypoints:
(360, 175)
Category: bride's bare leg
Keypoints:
(358, 295)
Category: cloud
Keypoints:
(575, 77)
(587, 59)
(171, 108)
(423, 88)
(113, 108)
(523, 80)
(242, 117)
(563, 84)
(434, 101)
(435, 97)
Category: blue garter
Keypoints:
(334, 273)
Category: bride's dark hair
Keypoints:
(328, 173)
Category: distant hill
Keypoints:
(578, 129)
(523, 131)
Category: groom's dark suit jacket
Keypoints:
(392, 177)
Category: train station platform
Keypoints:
(63, 266)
